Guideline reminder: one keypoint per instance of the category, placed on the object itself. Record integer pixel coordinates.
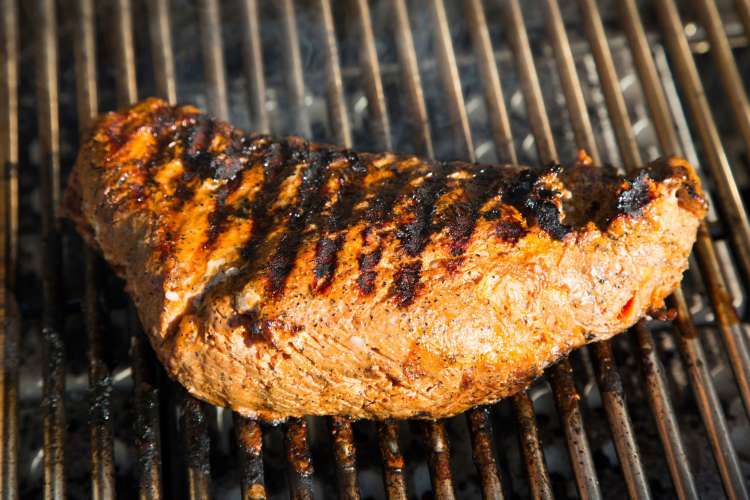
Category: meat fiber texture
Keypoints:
(284, 278)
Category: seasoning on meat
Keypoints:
(285, 278)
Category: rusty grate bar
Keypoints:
(9, 130)
(249, 438)
(53, 370)
(531, 447)
(345, 456)
(196, 446)
(438, 459)
(147, 429)
(100, 384)
(298, 458)
(393, 460)
(566, 399)
(9, 336)
(254, 72)
(480, 428)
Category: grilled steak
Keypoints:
(284, 278)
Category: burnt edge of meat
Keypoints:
(530, 196)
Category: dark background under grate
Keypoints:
(87, 412)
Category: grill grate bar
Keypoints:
(566, 400)
(160, 31)
(663, 411)
(531, 447)
(249, 438)
(9, 335)
(721, 173)
(613, 399)
(412, 82)
(338, 119)
(372, 82)
(728, 73)
(100, 385)
(253, 59)
(708, 401)
(451, 82)
(571, 84)
(147, 424)
(344, 452)
(9, 130)
(482, 438)
(493, 93)
(298, 457)
(197, 446)
(393, 460)
(53, 370)
(438, 459)
(529, 81)
(147, 427)
(296, 81)
(213, 58)
(743, 10)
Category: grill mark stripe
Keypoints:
(413, 235)
(461, 219)
(342, 215)
(310, 203)
(238, 158)
(379, 208)
(406, 283)
(278, 164)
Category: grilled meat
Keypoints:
(284, 278)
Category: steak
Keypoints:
(285, 278)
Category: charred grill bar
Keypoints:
(195, 422)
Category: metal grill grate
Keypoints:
(425, 52)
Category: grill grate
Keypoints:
(175, 436)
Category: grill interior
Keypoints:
(661, 411)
